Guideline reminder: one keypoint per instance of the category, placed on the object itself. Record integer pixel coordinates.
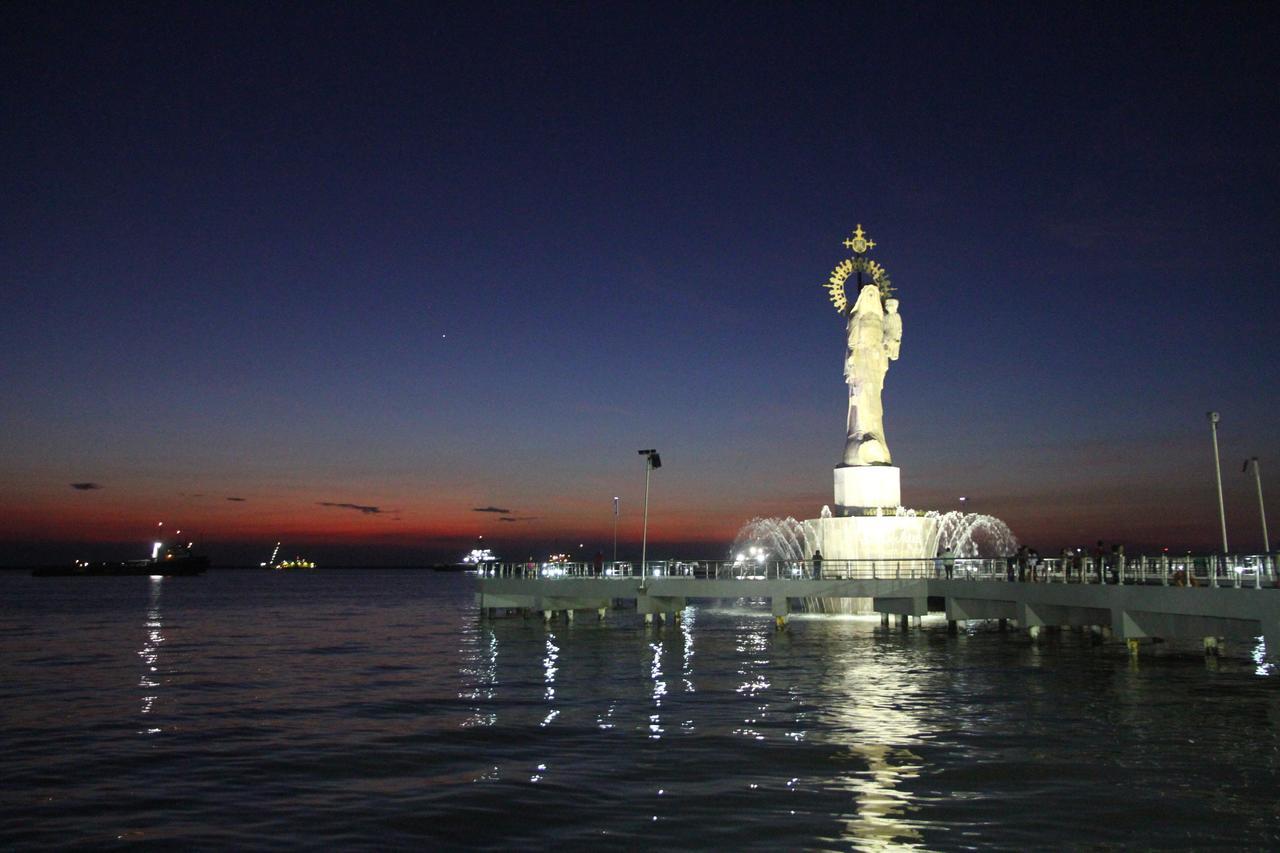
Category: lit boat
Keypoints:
(166, 560)
(295, 563)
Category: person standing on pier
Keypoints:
(817, 565)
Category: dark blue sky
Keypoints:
(430, 260)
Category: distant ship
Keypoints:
(295, 563)
(470, 562)
(166, 560)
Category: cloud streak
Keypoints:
(361, 508)
(85, 487)
(238, 500)
(496, 509)
(521, 518)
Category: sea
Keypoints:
(375, 709)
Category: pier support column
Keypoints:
(1211, 647)
(1034, 632)
(568, 615)
(1003, 625)
(648, 619)
(601, 612)
(547, 614)
(953, 627)
(902, 622)
(1133, 645)
(884, 620)
(780, 606)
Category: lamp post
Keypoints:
(615, 530)
(1257, 478)
(1217, 469)
(651, 461)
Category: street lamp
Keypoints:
(615, 530)
(1257, 478)
(651, 461)
(1217, 468)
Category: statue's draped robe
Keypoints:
(872, 339)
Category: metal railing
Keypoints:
(1253, 571)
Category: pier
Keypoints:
(1136, 600)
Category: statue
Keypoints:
(874, 338)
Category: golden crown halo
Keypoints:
(859, 244)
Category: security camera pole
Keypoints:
(652, 460)
(1257, 478)
(615, 531)
(1217, 468)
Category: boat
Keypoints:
(165, 560)
(470, 562)
(295, 563)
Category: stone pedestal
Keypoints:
(867, 486)
(870, 538)
(888, 537)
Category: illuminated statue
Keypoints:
(874, 338)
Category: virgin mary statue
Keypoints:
(874, 337)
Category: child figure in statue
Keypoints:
(874, 338)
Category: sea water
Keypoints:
(366, 709)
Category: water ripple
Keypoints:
(367, 710)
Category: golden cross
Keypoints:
(859, 242)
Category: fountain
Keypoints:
(777, 538)
(970, 534)
(967, 534)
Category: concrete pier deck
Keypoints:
(1146, 605)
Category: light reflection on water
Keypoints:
(150, 654)
(686, 629)
(882, 725)
(549, 670)
(659, 690)
(377, 709)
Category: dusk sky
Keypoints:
(377, 279)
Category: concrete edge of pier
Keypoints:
(1131, 613)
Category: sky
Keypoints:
(379, 280)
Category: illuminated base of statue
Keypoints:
(899, 540)
(860, 487)
(874, 538)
